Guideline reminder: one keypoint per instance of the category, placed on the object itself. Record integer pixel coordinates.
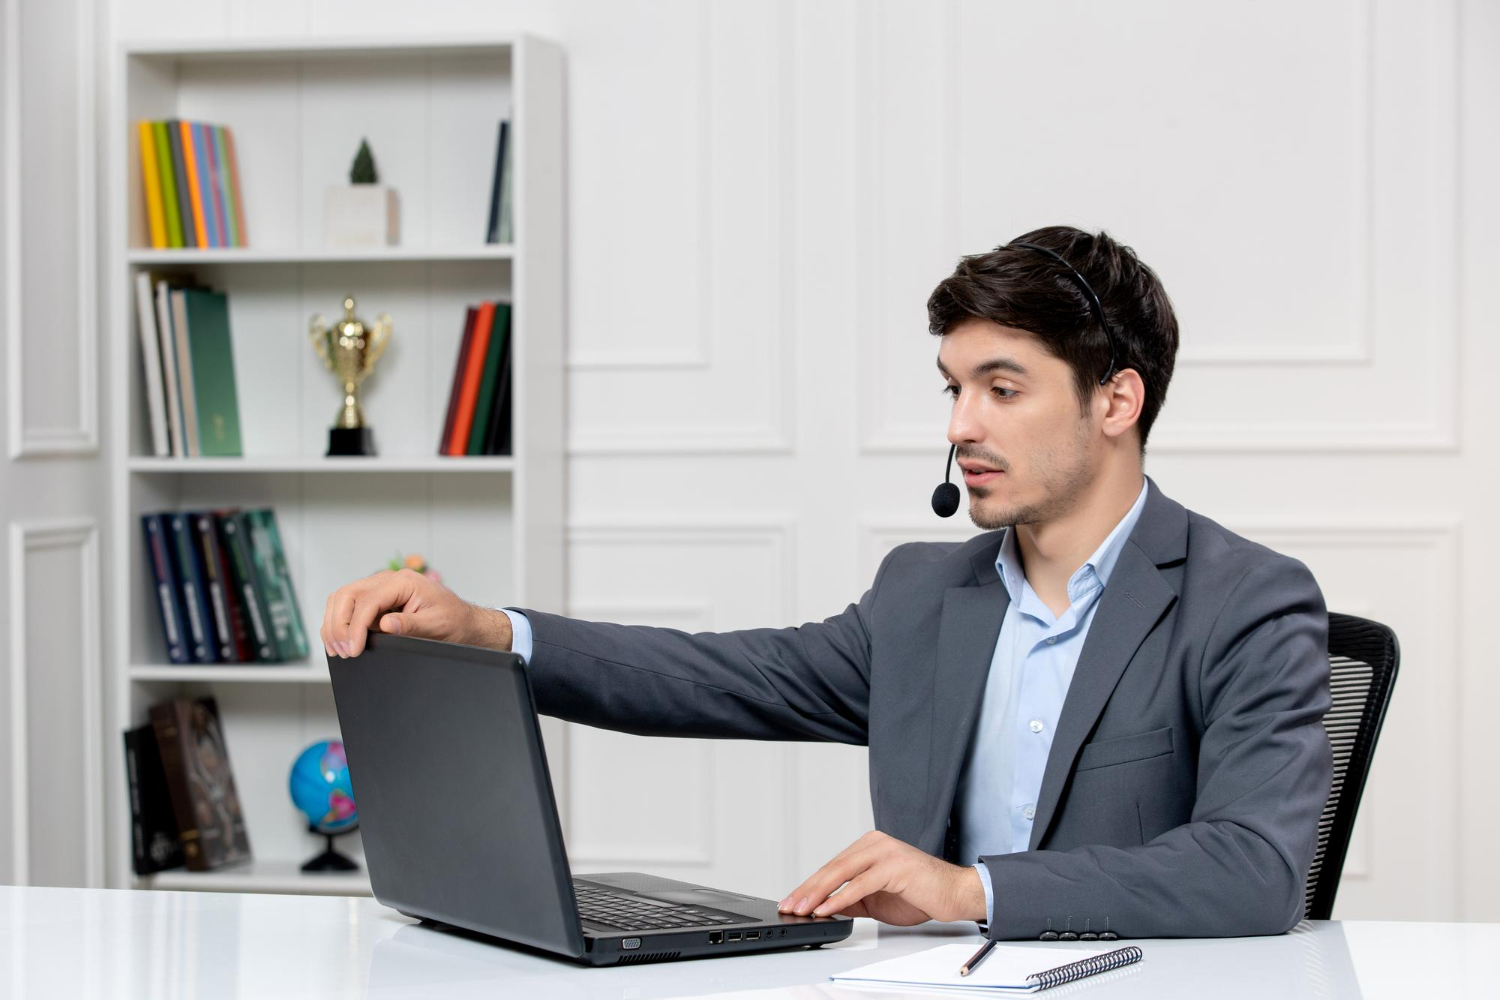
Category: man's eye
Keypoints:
(1000, 389)
(952, 392)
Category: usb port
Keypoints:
(734, 935)
(752, 935)
(715, 937)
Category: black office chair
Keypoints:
(1362, 656)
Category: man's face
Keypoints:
(1027, 454)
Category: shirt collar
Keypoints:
(1101, 564)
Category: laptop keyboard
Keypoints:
(628, 913)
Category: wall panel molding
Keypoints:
(82, 438)
(81, 536)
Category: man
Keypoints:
(1104, 714)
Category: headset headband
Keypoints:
(1088, 293)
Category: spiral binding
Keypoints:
(1085, 967)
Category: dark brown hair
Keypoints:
(1030, 291)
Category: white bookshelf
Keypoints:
(492, 525)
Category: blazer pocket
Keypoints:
(1103, 753)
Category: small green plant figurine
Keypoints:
(363, 171)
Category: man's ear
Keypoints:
(1124, 397)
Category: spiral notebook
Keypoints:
(1007, 969)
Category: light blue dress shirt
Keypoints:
(1030, 671)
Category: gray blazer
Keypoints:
(1189, 766)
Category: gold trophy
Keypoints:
(349, 349)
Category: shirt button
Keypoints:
(1051, 640)
(1029, 812)
(1036, 725)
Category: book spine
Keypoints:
(210, 525)
(507, 208)
(216, 184)
(151, 180)
(185, 383)
(194, 600)
(164, 581)
(280, 602)
(214, 393)
(195, 185)
(169, 370)
(184, 192)
(226, 185)
(245, 585)
(166, 721)
(212, 213)
(492, 227)
(156, 404)
(473, 369)
(170, 205)
(154, 841)
(296, 642)
(497, 434)
(487, 382)
(234, 183)
(458, 380)
(213, 583)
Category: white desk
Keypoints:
(170, 945)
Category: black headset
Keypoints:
(945, 497)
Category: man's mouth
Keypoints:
(976, 474)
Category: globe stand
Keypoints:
(330, 860)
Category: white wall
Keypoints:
(762, 194)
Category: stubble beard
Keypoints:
(1064, 480)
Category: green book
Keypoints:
(213, 372)
(168, 184)
(487, 382)
(242, 569)
(269, 557)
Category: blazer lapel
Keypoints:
(1133, 602)
(969, 627)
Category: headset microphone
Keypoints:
(945, 497)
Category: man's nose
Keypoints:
(963, 423)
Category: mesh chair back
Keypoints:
(1362, 657)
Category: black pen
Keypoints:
(979, 956)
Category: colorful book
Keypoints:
(235, 534)
(463, 420)
(154, 842)
(458, 380)
(492, 228)
(270, 554)
(185, 383)
(156, 221)
(220, 589)
(216, 401)
(235, 189)
(215, 183)
(206, 184)
(195, 760)
(195, 184)
(225, 184)
(488, 380)
(194, 598)
(164, 583)
(151, 363)
(171, 207)
(497, 435)
(175, 132)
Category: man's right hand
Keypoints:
(405, 602)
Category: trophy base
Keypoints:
(350, 441)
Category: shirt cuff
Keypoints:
(989, 892)
(520, 633)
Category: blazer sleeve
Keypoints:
(1239, 866)
(807, 682)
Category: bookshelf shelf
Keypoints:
(493, 525)
(250, 673)
(320, 255)
(319, 464)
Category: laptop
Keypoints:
(460, 825)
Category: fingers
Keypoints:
(825, 880)
(350, 610)
(854, 891)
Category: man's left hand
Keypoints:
(891, 881)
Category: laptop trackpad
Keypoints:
(692, 897)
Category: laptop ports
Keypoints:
(752, 935)
(715, 937)
(734, 935)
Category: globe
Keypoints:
(320, 787)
